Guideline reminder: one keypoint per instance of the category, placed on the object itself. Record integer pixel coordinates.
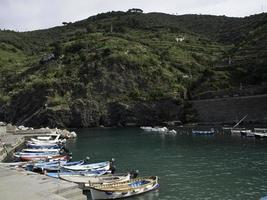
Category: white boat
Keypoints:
(201, 132)
(39, 150)
(87, 180)
(260, 132)
(237, 130)
(260, 135)
(93, 166)
(44, 140)
(155, 129)
(123, 189)
(48, 137)
(247, 133)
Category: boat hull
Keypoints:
(93, 166)
(117, 194)
(109, 178)
(46, 157)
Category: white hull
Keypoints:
(40, 150)
(112, 193)
(261, 135)
(109, 178)
(93, 166)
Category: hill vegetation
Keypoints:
(126, 68)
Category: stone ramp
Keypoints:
(23, 185)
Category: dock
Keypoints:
(16, 183)
(24, 185)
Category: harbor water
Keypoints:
(220, 166)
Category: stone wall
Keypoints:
(230, 110)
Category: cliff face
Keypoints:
(119, 69)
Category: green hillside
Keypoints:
(122, 68)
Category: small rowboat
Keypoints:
(107, 178)
(43, 157)
(43, 146)
(198, 132)
(55, 165)
(93, 166)
(83, 173)
(123, 189)
(39, 150)
(48, 141)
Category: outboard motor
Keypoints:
(86, 160)
(112, 169)
(134, 173)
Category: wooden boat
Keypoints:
(123, 189)
(93, 166)
(87, 180)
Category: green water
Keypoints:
(190, 167)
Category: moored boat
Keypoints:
(93, 166)
(40, 150)
(55, 165)
(201, 132)
(45, 140)
(43, 157)
(82, 173)
(260, 132)
(103, 179)
(155, 129)
(247, 133)
(123, 189)
(43, 146)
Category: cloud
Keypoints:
(25, 15)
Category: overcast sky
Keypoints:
(23, 15)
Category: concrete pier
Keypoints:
(23, 185)
(8, 142)
(16, 183)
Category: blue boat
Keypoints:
(55, 165)
(39, 146)
(92, 166)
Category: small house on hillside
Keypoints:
(135, 10)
